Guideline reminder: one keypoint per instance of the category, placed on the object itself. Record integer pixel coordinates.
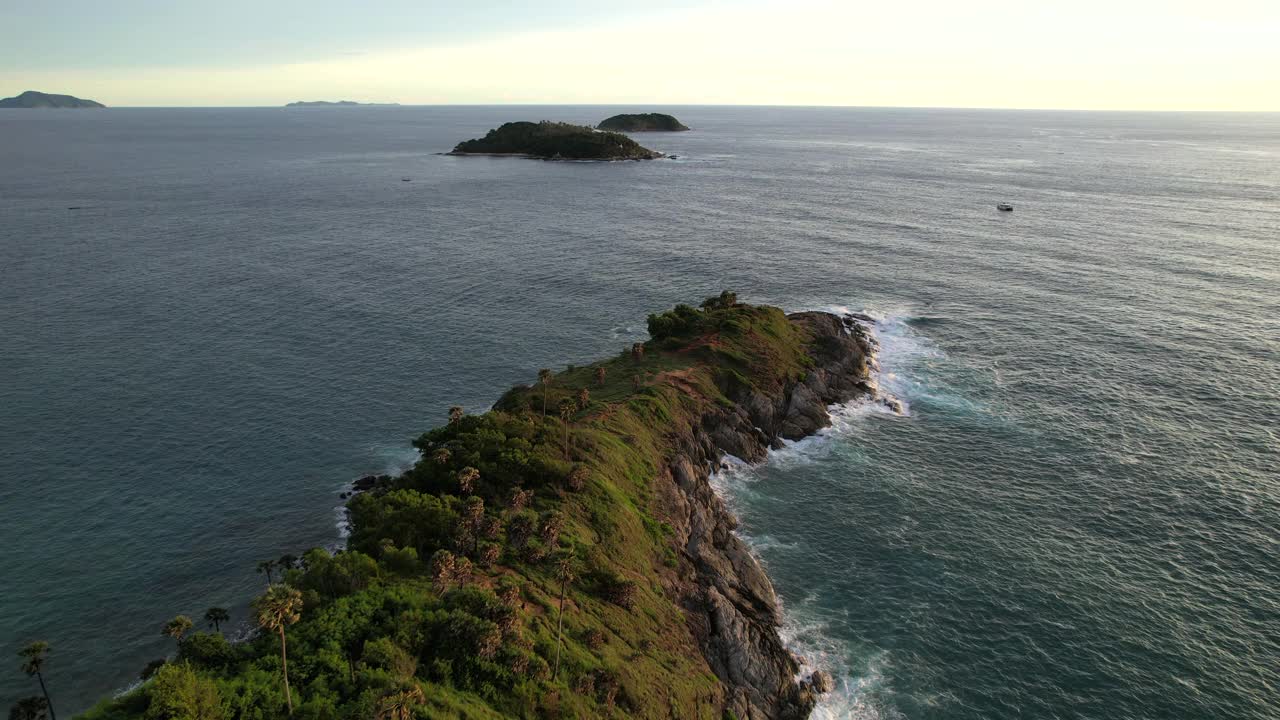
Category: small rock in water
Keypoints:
(821, 682)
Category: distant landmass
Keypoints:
(548, 140)
(33, 99)
(642, 122)
(330, 103)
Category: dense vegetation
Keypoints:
(520, 569)
(552, 140)
(642, 122)
(33, 99)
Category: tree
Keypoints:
(577, 479)
(567, 408)
(564, 573)
(544, 377)
(178, 693)
(600, 374)
(177, 627)
(34, 655)
(584, 398)
(467, 478)
(724, 301)
(552, 524)
(215, 616)
(30, 708)
(278, 608)
(456, 413)
(265, 567)
(637, 352)
(442, 456)
(400, 704)
(287, 561)
(520, 499)
(472, 520)
(443, 566)
(463, 571)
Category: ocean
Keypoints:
(1078, 516)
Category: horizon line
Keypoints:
(392, 104)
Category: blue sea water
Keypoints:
(1078, 517)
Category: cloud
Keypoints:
(984, 53)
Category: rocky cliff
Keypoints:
(729, 600)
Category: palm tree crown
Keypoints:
(215, 616)
(177, 627)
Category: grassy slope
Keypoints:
(645, 653)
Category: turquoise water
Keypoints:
(1077, 517)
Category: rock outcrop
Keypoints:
(727, 597)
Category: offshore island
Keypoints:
(562, 555)
(548, 140)
(338, 103)
(642, 122)
(35, 99)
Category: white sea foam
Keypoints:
(393, 461)
(899, 349)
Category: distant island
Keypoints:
(548, 140)
(642, 122)
(33, 99)
(339, 103)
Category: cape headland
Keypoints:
(34, 99)
(548, 140)
(642, 122)
(561, 555)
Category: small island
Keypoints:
(34, 99)
(548, 140)
(642, 122)
(337, 103)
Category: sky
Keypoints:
(1074, 54)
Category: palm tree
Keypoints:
(544, 377)
(455, 414)
(442, 456)
(177, 627)
(265, 567)
(467, 478)
(400, 705)
(567, 408)
(278, 608)
(473, 519)
(584, 398)
(600, 373)
(564, 572)
(33, 658)
(577, 479)
(30, 708)
(215, 616)
(443, 565)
